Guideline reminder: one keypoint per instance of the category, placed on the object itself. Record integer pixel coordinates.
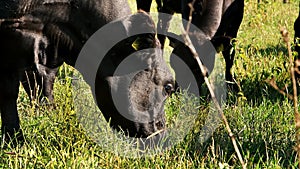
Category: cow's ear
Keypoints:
(137, 44)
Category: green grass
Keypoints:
(261, 119)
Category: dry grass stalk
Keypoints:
(285, 35)
(203, 69)
(272, 83)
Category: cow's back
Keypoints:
(110, 9)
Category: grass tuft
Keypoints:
(261, 118)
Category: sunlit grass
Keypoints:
(261, 119)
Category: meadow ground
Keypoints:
(261, 118)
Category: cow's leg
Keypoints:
(229, 27)
(164, 19)
(48, 79)
(228, 54)
(187, 72)
(224, 44)
(9, 89)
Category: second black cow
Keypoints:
(217, 20)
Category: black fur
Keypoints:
(39, 35)
(218, 21)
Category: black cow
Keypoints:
(44, 34)
(219, 21)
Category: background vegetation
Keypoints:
(260, 117)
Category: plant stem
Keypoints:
(285, 35)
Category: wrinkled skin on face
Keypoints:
(132, 94)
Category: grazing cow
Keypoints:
(47, 33)
(219, 21)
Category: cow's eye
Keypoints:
(168, 88)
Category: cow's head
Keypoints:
(133, 81)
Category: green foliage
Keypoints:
(261, 118)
